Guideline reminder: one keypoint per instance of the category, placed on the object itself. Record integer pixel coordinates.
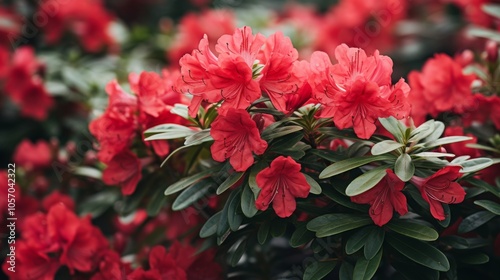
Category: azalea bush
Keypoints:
(224, 140)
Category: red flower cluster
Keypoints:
(246, 66)
(10, 27)
(192, 27)
(441, 86)
(24, 84)
(124, 120)
(357, 91)
(33, 155)
(88, 20)
(55, 239)
(179, 263)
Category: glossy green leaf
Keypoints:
(438, 131)
(423, 131)
(474, 221)
(413, 230)
(446, 140)
(301, 236)
(374, 242)
(351, 163)
(366, 181)
(168, 131)
(475, 164)
(279, 132)
(234, 218)
(419, 252)
(346, 271)
(198, 138)
(318, 270)
(248, 202)
(263, 232)
(210, 226)
(404, 167)
(331, 224)
(238, 252)
(357, 240)
(489, 205)
(474, 259)
(385, 146)
(193, 194)
(188, 181)
(315, 187)
(394, 127)
(229, 182)
(365, 269)
(98, 203)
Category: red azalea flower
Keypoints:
(483, 109)
(192, 27)
(441, 188)
(88, 20)
(384, 198)
(236, 136)
(115, 129)
(279, 78)
(194, 78)
(111, 267)
(124, 169)
(4, 62)
(25, 86)
(31, 264)
(165, 264)
(357, 91)
(440, 87)
(149, 89)
(233, 79)
(57, 197)
(280, 184)
(33, 155)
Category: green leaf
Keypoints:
(404, 168)
(374, 242)
(476, 164)
(474, 259)
(483, 33)
(394, 127)
(279, 132)
(229, 182)
(248, 202)
(318, 270)
(432, 154)
(491, 206)
(263, 232)
(98, 203)
(385, 146)
(193, 194)
(424, 130)
(198, 138)
(301, 236)
(461, 243)
(287, 142)
(419, 252)
(351, 163)
(491, 9)
(168, 131)
(331, 224)
(86, 171)
(358, 149)
(157, 202)
(447, 140)
(238, 252)
(341, 199)
(315, 187)
(210, 226)
(438, 131)
(346, 271)
(366, 181)
(413, 271)
(188, 181)
(326, 154)
(413, 230)
(485, 186)
(180, 110)
(357, 240)
(234, 218)
(365, 269)
(474, 221)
